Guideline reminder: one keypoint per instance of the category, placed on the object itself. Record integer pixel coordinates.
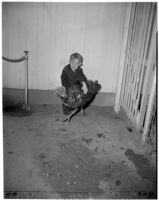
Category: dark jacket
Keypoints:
(68, 76)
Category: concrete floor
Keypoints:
(97, 156)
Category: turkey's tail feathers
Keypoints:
(93, 88)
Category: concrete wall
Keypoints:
(52, 31)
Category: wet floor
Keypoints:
(95, 156)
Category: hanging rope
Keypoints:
(14, 60)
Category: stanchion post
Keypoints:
(26, 79)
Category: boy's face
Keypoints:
(74, 63)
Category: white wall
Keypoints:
(52, 31)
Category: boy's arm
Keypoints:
(82, 76)
(84, 87)
(64, 80)
(84, 82)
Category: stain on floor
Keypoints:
(16, 111)
(93, 157)
(87, 140)
(142, 165)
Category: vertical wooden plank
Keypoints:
(149, 107)
(126, 67)
(143, 62)
(151, 62)
(129, 83)
(122, 57)
(144, 89)
(130, 63)
(139, 47)
(140, 66)
(135, 39)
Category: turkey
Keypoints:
(75, 98)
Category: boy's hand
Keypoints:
(84, 87)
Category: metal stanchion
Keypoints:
(26, 79)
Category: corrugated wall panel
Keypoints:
(52, 31)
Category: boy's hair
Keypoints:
(77, 56)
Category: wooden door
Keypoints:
(140, 62)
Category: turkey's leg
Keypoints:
(70, 116)
(82, 111)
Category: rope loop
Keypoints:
(14, 60)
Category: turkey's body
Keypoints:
(74, 97)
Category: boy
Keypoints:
(72, 73)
